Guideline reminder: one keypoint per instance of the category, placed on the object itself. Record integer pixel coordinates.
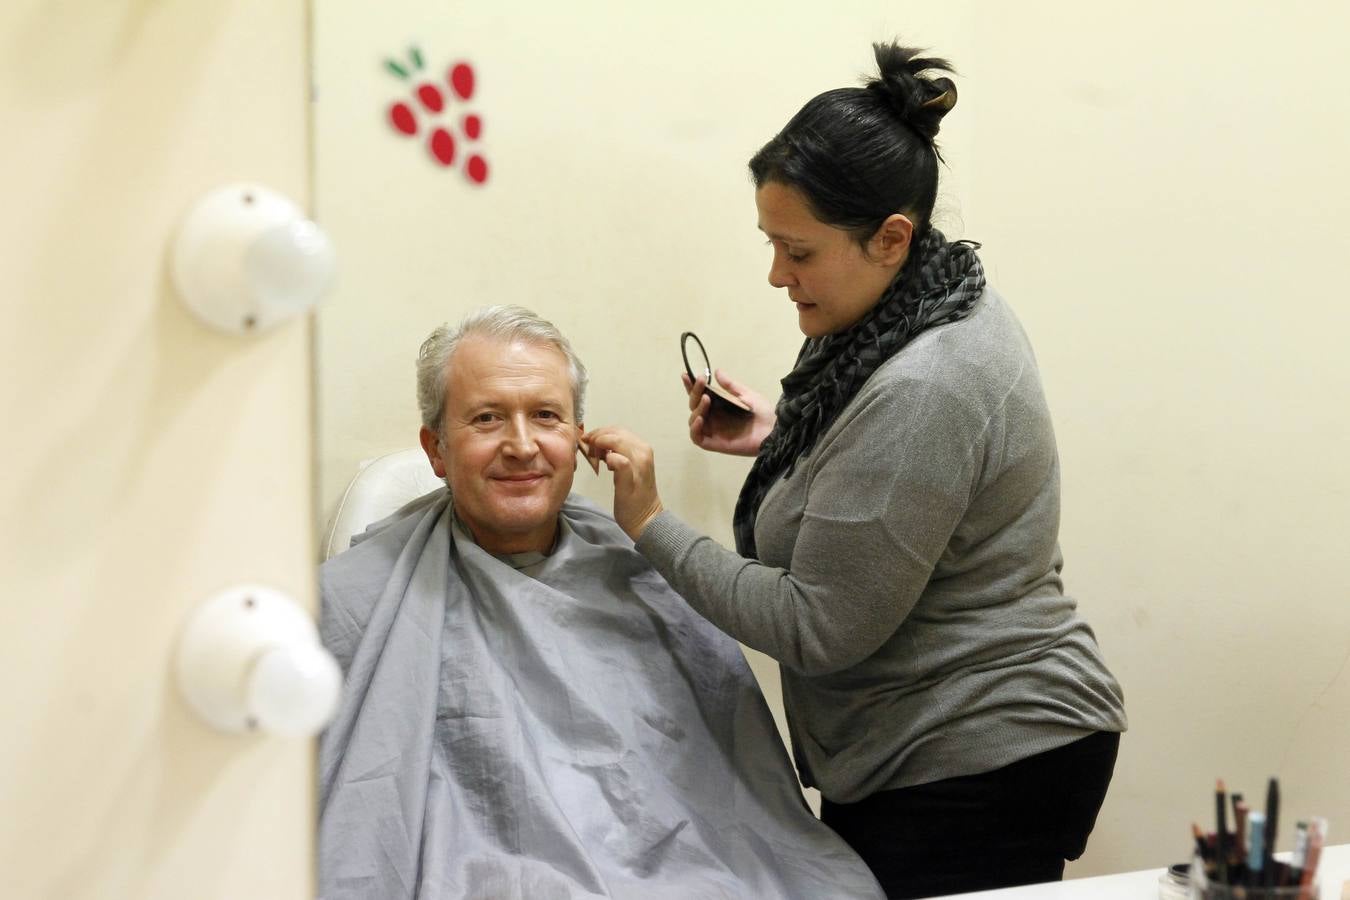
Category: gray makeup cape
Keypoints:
(570, 729)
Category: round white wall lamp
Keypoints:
(246, 259)
(250, 660)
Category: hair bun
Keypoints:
(918, 100)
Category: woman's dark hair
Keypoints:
(859, 155)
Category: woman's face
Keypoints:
(829, 278)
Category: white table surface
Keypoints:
(1334, 870)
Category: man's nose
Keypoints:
(520, 438)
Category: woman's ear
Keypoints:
(889, 244)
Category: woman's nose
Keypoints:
(780, 274)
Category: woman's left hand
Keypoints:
(630, 458)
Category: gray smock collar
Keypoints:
(517, 561)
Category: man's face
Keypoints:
(508, 441)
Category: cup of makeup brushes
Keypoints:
(1251, 886)
(1243, 892)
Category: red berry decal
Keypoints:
(402, 118)
(461, 79)
(430, 95)
(442, 146)
(442, 142)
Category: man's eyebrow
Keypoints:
(477, 406)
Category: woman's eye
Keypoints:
(794, 257)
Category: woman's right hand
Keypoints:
(723, 432)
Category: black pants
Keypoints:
(1014, 825)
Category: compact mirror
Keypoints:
(722, 399)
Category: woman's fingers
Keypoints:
(699, 409)
(725, 381)
(696, 429)
(612, 439)
(698, 422)
(636, 501)
(696, 389)
(721, 432)
(616, 462)
(605, 438)
(751, 398)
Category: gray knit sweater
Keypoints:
(909, 580)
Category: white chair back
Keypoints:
(380, 487)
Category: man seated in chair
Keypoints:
(530, 711)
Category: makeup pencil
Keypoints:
(1256, 822)
(1240, 829)
(1317, 834)
(1272, 829)
(1221, 814)
(1199, 835)
(1300, 857)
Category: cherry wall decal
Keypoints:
(436, 111)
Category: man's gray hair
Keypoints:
(505, 323)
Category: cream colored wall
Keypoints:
(148, 462)
(618, 205)
(1162, 194)
(1159, 194)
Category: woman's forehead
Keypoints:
(784, 214)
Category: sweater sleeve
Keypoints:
(884, 495)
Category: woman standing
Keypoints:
(897, 536)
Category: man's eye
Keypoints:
(548, 414)
(485, 418)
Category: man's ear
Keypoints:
(889, 244)
(431, 445)
(584, 450)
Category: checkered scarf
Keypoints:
(939, 284)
